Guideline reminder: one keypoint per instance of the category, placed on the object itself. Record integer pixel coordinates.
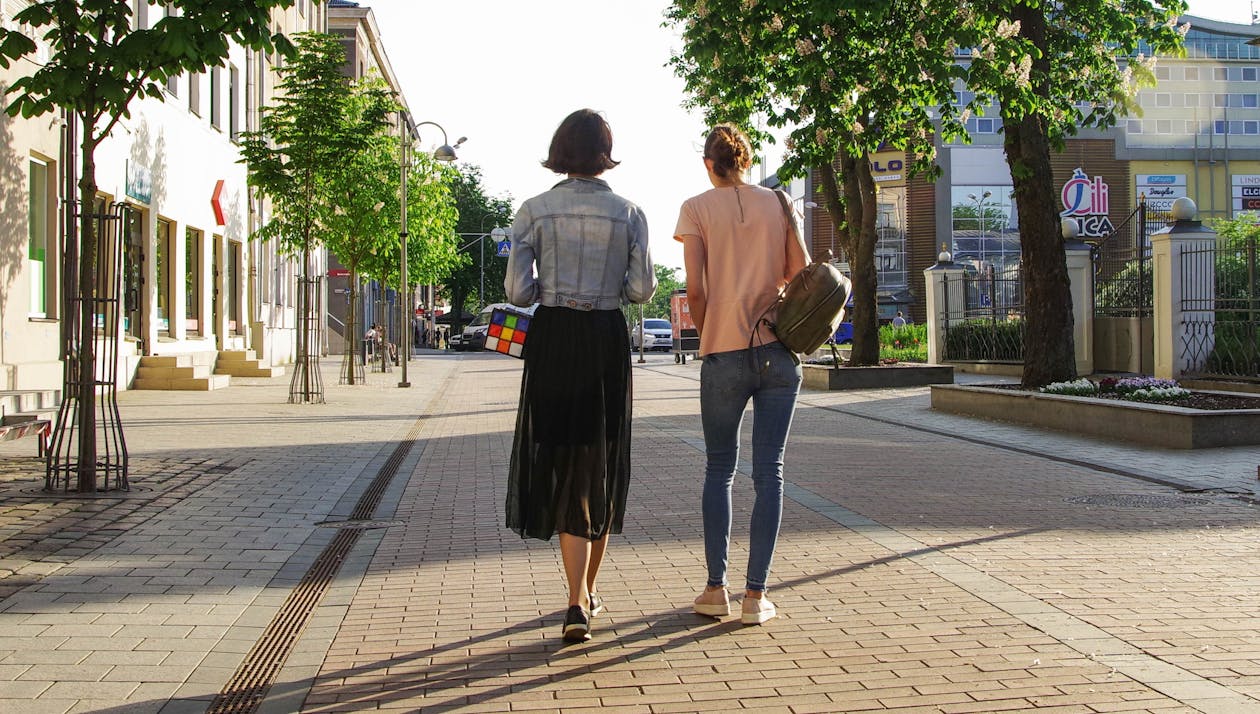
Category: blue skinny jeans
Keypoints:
(771, 377)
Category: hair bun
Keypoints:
(729, 149)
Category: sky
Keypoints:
(504, 73)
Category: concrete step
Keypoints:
(146, 372)
(194, 384)
(166, 361)
(252, 368)
(237, 356)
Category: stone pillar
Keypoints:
(1183, 263)
(1081, 279)
(946, 300)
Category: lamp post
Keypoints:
(980, 203)
(445, 152)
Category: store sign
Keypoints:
(888, 166)
(1088, 202)
(1161, 189)
(139, 182)
(1246, 192)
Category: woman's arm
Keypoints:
(693, 260)
(640, 283)
(520, 282)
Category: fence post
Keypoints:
(945, 302)
(1184, 278)
(1080, 269)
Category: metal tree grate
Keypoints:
(1138, 500)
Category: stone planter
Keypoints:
(824, 377)
(1137, 422)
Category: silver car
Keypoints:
(656, 334)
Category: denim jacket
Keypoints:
(589, 245)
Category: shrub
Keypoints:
(903, 344)
(1001, 340)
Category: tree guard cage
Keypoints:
(307, 386)
(351, 371)
(105, 443)
(384, 319)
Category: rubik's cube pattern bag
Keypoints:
(507, 332)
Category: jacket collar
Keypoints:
(590, 183)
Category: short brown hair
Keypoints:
(581, 145)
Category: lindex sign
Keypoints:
(1088, 202)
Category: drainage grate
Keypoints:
(359, 525)
(249, 685)
(1137, 500)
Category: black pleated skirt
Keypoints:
(570, 468)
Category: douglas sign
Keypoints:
(1087, 202)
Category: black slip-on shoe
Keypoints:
(577, 625)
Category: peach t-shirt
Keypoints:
(750, 252)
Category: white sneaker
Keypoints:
(757, 610)
(714, 603)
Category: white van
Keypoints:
(474, 337)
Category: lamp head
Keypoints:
(445, 152)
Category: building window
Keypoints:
(1235, 127)
(1219, 74)
(1192, 100)
(984, 125)
(162, 263)
(983, 239)
(1163, 74)
(216, 98)
(192, 279)
(1192, 74)
(233, 286)
(194, 93)
(1163, 126)
(234, 102)
(1249, 74)
(37, 232)
(1251, 127)
(1135, 126)
(1220, 100)
(1247, 101)
(1163, 99)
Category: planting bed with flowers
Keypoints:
(1151, 390)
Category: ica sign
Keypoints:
(1087, 201)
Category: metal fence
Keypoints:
(1122, 265)
(984, 318)
(1221, 308)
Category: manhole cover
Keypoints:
(359, 525)
(1137, 500)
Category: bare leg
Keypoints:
(598, 548)
(576, 554)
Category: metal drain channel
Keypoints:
(249, 685)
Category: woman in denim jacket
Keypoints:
(740, 250)
(580, 251)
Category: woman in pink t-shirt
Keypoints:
(740, 249)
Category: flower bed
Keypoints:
(1195, 419)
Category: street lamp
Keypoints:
(445, 152)
(980, 202)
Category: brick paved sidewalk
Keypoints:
(917, 571)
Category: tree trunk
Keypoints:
(352, 333)
(87, 314)
(1049, 352)
(865, 278)
(458, 296)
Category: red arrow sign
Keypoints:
(216, 205)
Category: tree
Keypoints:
(99, 63)
(477, 214)
(846, 77)
(667, 281)
(1041, 61)
(366, 179)
(293, 160)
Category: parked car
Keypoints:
(656, 334)
(844, 333)
(474, 337)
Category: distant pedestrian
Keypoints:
(740, 246)
(899, 320)
(579, 250)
